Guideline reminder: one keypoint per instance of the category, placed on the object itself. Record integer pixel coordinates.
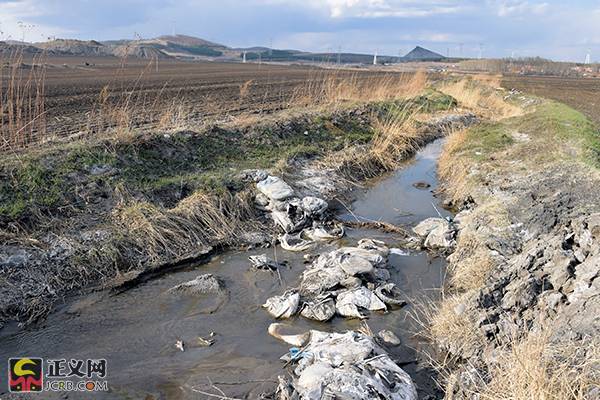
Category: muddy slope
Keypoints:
(527, 261)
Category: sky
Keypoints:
(556, 29)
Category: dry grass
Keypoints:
(134, 107)
(449, 324)
(536, 368)
(174, 117)
(395, 138)
(245, 89)
(494, 81)
(529, 366)
(481, 98)
(197, 221)
(22, 101)
(475, 262)
(454, 170)
(332, 88)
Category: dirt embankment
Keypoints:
(520, 319)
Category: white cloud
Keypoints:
(378, 8)
(16, 22)
(518, 8)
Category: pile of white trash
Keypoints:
(342, 366)
(346, 281)
(350, 282)
(301, 219)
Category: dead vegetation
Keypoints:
(454, 170)
(536, 367)
(22, 101)
(332, 88)
(134, 107)
(479, 96)
(395, 137)
(200, 220)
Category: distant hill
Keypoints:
(193, 48)
(190, 41)
(138, 50)
(75, 47)
(10, 48)
(421, 54)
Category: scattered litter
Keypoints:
(399, 252)
(319, 310)
(308, 258)
(389, 337)
(205, 342)
(314, 206)
(321, 234)
(275, 188)
(263, 262)
(421, 185)
(298, 340)
(294, 243)
(179, 344)
(390, 295)
(283, 306)
(353, 264)
(436, 233)
(348, 281)
(349, 301)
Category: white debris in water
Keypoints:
(349, 301)
(263, 262)
(283, 306)
(437, 233)
(399, 252)
(298, 340)
(349, 366)
(389, 337)
(319, 309)
(353, 264)
(390, 294)
(314, 206)
(295, 242)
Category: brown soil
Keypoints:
(580, 93)
(207, 89)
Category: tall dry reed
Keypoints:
(22, 100)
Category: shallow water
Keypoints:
(136, 330)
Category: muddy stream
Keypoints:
(136, 330)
